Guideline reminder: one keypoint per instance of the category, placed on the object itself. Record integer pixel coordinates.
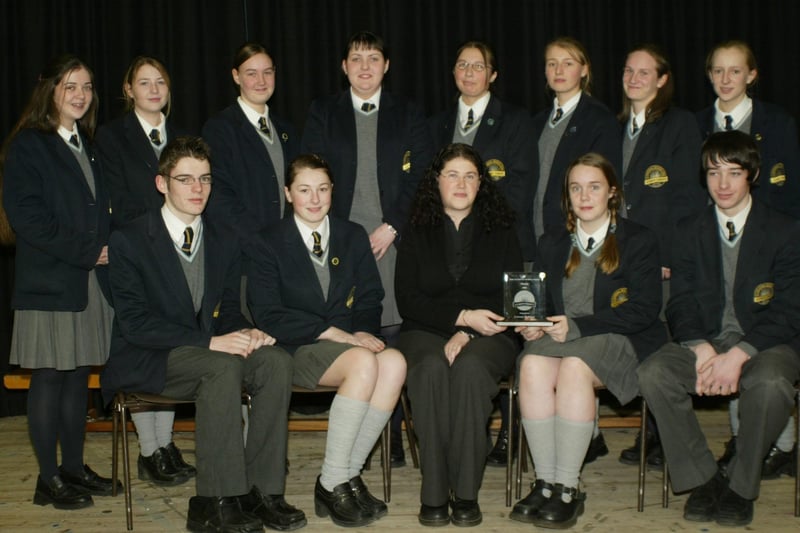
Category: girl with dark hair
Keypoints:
(54, 196)
(450, 266)
(129, 149)
(315, 285)
(604, 296)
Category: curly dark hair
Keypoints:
(491, 207)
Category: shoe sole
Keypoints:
(204, 527)
(144, 476)
(434, 523)
(290, 527)
(732, 522)
(467, 523)
(322, 511)
(698, 517)
(566, 524)
(41, 499)
(527, 518)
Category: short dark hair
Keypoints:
(365, 40)
(181, 148)
(732, 147)
(306, 161)
(246, 51)
(486, 51)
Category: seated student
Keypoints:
(315, 284)
(179, 332)
(604, 288)
(734, 314)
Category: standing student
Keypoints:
(731, 68)
(733, 313)
(661, 169)
(129, 149)
(604, 295)
(450, 266)
(179, 332)
(55, 199)
(315, 285)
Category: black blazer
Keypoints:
(428, 297)
(766, 288)
(775, 132)
(627, 301)
(61, 227)
(246, 192)
(286, 299)
(403, 151)
(153, 309)
(503, 140)
(130, 167)
(668, 147)
(592, 128)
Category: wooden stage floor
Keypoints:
(610, 507)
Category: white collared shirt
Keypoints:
(66, 134)
(640, 119)
(599, 236)
(478, 109)
(161, 127)
(738, 220)
(253, 116)
(739, 113)
(568, 107)
(324, 230)
(375, 99)
(176, 226)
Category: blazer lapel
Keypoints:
(754, 234)
(490, 124)
(169, 262)
(66, 155)
(297, 252)
(140, 142)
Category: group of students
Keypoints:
(394, 279)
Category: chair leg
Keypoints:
(386, 462)
(522, 452)
(126, 467)
(114, 446)
(509, 450)
(642, 456)
(412, 437)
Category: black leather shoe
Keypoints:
(778, 462)
(398, 455)
(499, 455)
(176, 459)
(273, 510)
(220, 515)
(369, 503)
(341, 505)
(597, 448)
(465, 513)
(90, 481)
(62, 495)
(434, 515)
(159, 469)
(703, 503)
(733, 509)
(655, 455)
(557, 513)
(730, 451)
(526, 509)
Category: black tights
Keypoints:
(57, 413)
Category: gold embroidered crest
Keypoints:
(495, 169)
(619, 297)
(350, 297)
(407, 161)
(777, 175)
(655, 176)
(763, 293)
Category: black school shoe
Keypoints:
(730, 451)
(212, 514)
(367, 501)
(176, 459)
(273, 510)
(498, 457)
(703, 503)
(655, 455)
(528, 507)
(60, 494)
(90, 481)
(597, 448)
(559, 514)
(341, 505)
(159, 469)
(733, 509)
(434, 515)
(465, 513)
(778, 462)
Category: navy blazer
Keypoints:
(284, 294)
(503, 140)
(61, 227)
(246, 193)
(592, 128)
(627, 301)
(403, 151)
(153, 309)
(766, 296)
(663, 182)
(775, 132)
(130, 167)
(428, 296)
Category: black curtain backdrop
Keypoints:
(196, 40)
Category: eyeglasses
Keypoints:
(469, 177)
(476, 67)
(188, 180)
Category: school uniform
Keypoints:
(661, 184)
(503, 140)
(775, 133)
(765, 305)
(130, 166)
(452, 404)
(591, 128)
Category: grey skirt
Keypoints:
(63, 340)
(312, 360)
(610, 356)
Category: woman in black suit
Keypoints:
(604, 295)
(450, 266)
(315, 284)
(55, 200)
(575, 125)
(129, 148)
